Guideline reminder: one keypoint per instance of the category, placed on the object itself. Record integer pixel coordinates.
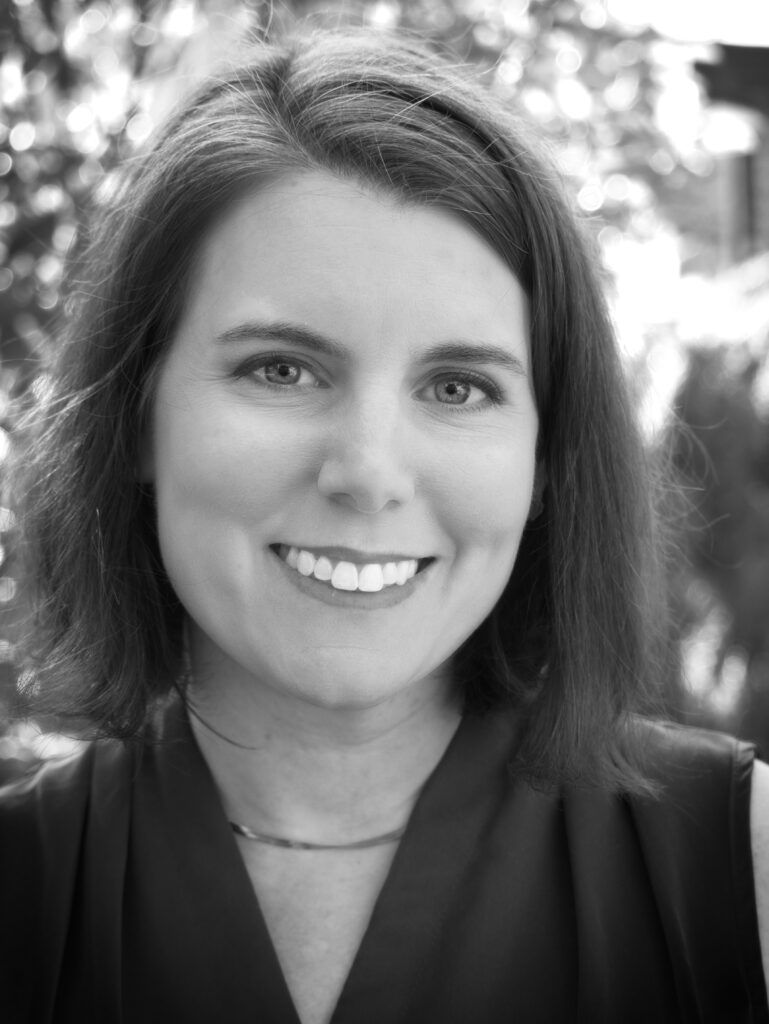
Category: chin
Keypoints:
(357, 687)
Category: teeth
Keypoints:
(369, 578)
(390, 574)
(323, 569)
(345, 577)
(405, 571)
(305, 563)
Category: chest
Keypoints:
(317, 906)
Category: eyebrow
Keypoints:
(269, 330)
(452, 351)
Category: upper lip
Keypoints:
(353, 555)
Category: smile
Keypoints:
(340, 574)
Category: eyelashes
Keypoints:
(279, 373)
(466, 381)
(458, 390)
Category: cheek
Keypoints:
(221, 467)
(485, 497)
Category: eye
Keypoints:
(278, 372)
(453, 392)
(282, 373)
(466, 391)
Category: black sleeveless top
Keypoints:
(124, 898)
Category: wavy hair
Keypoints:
(572, 641)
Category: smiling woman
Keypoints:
(375, 443)
(341, 538)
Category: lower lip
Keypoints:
(358, 599)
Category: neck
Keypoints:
(327, 774)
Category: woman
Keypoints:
(341, 523)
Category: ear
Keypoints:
(540, 482)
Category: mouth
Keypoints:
(348, 575)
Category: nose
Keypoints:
(365, 466)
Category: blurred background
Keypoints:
(657, 112)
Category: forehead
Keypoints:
(347, 259)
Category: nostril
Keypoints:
(367, 485)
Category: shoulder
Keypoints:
(712, 818)
(49, 809)
(759, 835)
(670, 745)
(52, 823)
(694, 767)
(705, 840)
(48, 823)
(51, 778)
(42, 817)
(40, 808)
(695, 829)
(702, 779)
(686, 763)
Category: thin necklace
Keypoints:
(262, 837)
(298, 844)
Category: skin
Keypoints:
(360, 451)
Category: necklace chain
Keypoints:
(269, 840)
(298, 844)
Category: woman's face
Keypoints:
(347, 395)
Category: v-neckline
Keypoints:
(412, 906)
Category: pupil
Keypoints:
(455, 391)
(282, 372)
